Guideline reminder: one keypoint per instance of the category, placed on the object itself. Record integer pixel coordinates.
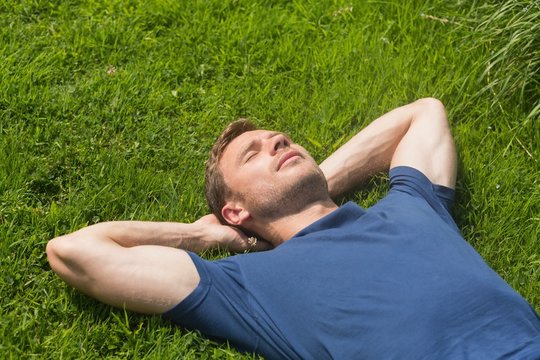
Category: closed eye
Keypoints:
(250, 156)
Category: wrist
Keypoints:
(194, 237)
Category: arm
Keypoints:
(142, 266)
(415, 135)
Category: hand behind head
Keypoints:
(215, 234)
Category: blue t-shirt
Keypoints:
(395, 281)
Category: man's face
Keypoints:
(271, 175)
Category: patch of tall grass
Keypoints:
(510, 32)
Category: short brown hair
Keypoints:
(215, 188)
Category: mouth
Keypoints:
(287, 158)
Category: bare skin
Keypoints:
(144, 266)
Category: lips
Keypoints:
(286, 156)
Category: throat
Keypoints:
(278, 231)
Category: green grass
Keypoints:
(108, 109)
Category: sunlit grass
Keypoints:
(108, 109)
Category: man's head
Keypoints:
(260, 175)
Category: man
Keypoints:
(393, 281)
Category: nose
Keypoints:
(277, 143)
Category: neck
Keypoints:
(282, 229)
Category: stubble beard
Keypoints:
(292, 198)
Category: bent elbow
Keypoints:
(67, 260)
(54, 251)
(434, 110)
(62, 253)
(431, 104)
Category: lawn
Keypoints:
(108, 110)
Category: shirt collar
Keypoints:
(345, 214)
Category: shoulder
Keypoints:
(410, 182)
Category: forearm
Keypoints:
(367, 153)
(415, 135)
(203, 234)
(135, 233)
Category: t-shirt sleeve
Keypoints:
(411, 181)
(218, 307)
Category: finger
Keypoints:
(243, 243)
(250, 244)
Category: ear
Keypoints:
(234, 213)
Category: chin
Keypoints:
(289, 198)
